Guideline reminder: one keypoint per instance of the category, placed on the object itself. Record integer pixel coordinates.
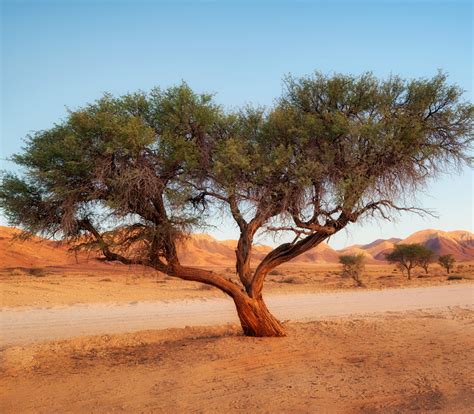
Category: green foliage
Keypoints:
(352, 266)
(409, 256)
(139, 170)
(447, 261)
(114, 161)
(369, 139)
(426, 257)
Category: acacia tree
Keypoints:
(409, 256)
(447, 261)
(427, 256)
(134, 174)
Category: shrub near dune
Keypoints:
(131, 176)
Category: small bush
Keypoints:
(205, 287)
(17, 272)
(353, 266)
(37, 272)
(452, 277)
(291, 280)
(447, 261)
(275, 273)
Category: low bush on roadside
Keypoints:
(37, 272)
(455, 277)
(291, 280)
(353, 266)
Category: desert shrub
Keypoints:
(352, 266)
(447, 261)
(17, 272)
(205, 287)
(275, 273)
(291, 280)
(37, 272)
(453, 277)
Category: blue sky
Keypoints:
(67, 53)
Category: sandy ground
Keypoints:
(66, 285)
(395, 362)
(25, 325)
(416, 362)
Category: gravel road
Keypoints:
(27, 325)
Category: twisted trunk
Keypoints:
(256, 319)
(254, 316)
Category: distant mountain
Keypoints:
(374, 251)
(459, 243)
(204, 250)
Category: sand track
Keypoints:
(401, 362)
(27, 325)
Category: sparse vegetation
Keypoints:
(352, 266)
(17, 272)
(447, 262)
(409, 256)
(131, 176)
(291, 280)
(455, 277)
(37, 272)
(426, 257)
(205, 287)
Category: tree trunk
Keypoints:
(256, 319)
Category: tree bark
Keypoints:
(256, 319)
(254, 316)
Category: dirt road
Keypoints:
(399, 362)
(28, 325)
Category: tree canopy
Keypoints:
(409, 256)
(447, 261)
(130, 176)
